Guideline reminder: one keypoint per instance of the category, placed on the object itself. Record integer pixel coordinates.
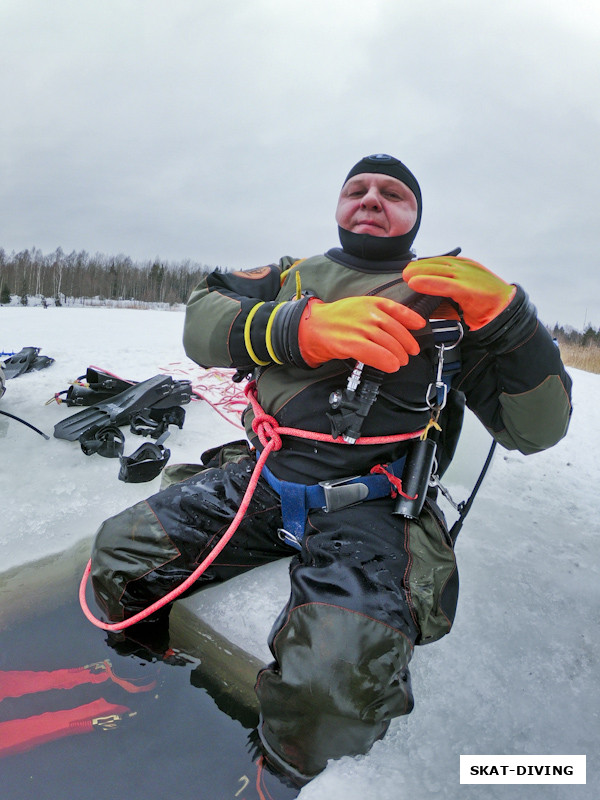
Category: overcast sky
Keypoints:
(221, 132)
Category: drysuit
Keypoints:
(366, 585)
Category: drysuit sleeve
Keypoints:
(514, 380)
(235, 319)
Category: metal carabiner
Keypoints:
(437, 393)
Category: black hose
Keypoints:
(465, 507)
(23, 422)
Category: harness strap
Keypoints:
(297, 499)
(15, 683)
(19, 735)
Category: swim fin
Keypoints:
(41, 362)
(93, 387)
(20, 362)
(102, 380)
(98, 385)
(161, 391)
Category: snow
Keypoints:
(517, 675)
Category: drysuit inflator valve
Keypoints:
(350, 406)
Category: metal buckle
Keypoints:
(341, 494)
(109, 722)
(98, 666)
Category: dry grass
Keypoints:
(586, 357)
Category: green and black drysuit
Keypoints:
(366, 585)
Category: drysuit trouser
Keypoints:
(365, 588)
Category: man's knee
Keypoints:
(127, 547)
(339, 678)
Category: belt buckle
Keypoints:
(341, 493)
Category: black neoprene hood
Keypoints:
(380, 247)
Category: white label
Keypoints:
(522, 769)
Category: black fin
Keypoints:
(41, 362)
(21, 362)
(101, 385)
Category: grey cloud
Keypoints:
(221, 132)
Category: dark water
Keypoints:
(179, 743)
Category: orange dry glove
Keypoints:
(480, 294)
(374, 330)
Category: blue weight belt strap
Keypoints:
(298, 498)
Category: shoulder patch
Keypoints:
(253, 274)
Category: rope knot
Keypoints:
(264, 425)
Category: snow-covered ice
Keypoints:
(517, 675)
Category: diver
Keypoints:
(367, 582)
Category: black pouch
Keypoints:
(214, 457)
(225, 453)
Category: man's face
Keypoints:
(376, 204)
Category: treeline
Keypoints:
(589, 337)
(61, 276)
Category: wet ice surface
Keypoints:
(517, 675)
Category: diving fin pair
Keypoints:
(26, 360)
(161, 391)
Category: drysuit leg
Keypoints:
(144, 552)
(365, 589)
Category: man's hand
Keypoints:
(374, 330)
(480, 294)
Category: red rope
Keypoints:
(269, 433)
(231, 402)
(260, 417)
